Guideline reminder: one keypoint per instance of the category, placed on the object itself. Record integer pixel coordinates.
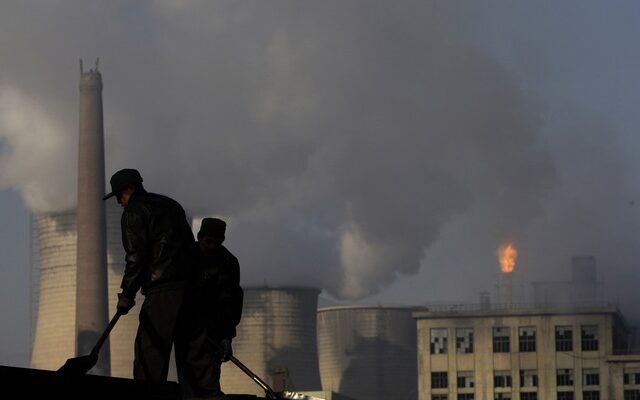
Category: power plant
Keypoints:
(564, 342)
(81, 260)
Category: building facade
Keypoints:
(527, 354)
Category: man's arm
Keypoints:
(136, 246)
(230, 298)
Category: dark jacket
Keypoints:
(220, 293)
(158, 243)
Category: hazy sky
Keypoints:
(379, 150)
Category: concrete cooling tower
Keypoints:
(277, 340)
(54, 340)
(56, 303)
(368, 352)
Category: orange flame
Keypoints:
(507, 256)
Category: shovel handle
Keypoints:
(106, 333)
(270, 393)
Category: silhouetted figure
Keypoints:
(160, 260)
(220, 292)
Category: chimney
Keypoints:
(91, 278)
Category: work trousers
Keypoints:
(168, 317)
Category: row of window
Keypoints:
(502, 339)
(632, 376)
(528, 378)
(586, 395)
(632, 395)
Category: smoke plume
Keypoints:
(338, 139)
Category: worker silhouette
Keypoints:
(160, 260)
(221, 296)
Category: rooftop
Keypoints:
(502, 310)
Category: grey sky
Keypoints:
(379, 150)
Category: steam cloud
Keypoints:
(337, 139)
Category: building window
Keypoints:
(565, 395)
(501, 339)
(528, 378)
(632, 395)
(439, 340)
(465, 396)
(465, 379)
(439, 380)
(529, 396)
(464, 340)
(591, 395)
(632, 376)
(589, 337)
(502, 379)
(564, 338)
(502, 396)
(590, 377)
(527, 339)
(564, 377)
(439, 397)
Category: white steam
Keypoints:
(37, 155)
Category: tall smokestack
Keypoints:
(91, 278)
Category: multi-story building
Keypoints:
(525, 354)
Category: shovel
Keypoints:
(269, 393)
(81, 365)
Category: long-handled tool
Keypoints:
(270, 393)
(81, 365)
(267, 389)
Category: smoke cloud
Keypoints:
(36, 153)
(339, 140)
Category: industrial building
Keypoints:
(559, 347)
(368, 352)
(525, 354)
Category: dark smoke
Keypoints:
(338, 139)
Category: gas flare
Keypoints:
(507, 256)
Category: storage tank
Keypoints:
(276, 337)
(368, 352)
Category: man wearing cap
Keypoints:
(160, 262)
(220, 292)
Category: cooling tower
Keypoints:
(91, 272)
(56, 303)
(368, 352)
(277, 333)
(54, 339)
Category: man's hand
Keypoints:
(225, 350)
(125, 303)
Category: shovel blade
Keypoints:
(79, 365)
(295, 396)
